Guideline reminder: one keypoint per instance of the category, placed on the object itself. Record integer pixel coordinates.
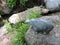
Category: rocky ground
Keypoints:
(4, 37)
(53, 38)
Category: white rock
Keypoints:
(14, 19)
(3, 31)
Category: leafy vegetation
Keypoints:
(12, 3)
(22, 2)
(33, 13)
(20, 29)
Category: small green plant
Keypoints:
(20, 30)
(22, 2)
(11, 3)
(19, 39)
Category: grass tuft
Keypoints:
(20, 30)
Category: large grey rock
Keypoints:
(52, 5)
(55, 19)
(53, 38)
(38, 39)
(40, 25)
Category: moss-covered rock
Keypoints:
(28, 14)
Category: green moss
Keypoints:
(33, 13)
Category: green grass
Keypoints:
(12, 3)
(20, 30)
